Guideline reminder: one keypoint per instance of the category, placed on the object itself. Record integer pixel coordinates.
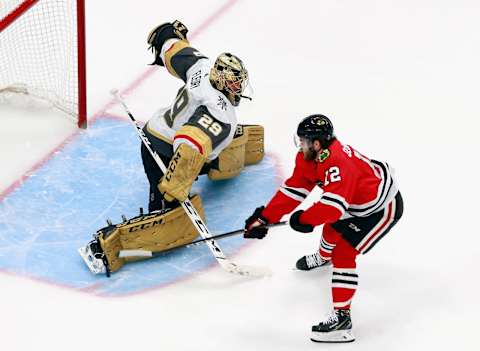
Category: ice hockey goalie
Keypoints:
(198, 134)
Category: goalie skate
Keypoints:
(93, 256)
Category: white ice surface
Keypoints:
(400, 80)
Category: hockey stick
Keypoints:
(146, 253)
(192, 213)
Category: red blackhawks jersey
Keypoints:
(352, 184)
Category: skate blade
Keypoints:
(95, 265)
(338, 336)
(329, 263)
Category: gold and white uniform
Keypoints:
(201, 116)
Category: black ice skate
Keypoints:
(309, 262)
(336, 328)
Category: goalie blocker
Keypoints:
(155, 232)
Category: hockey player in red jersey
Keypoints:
(360, 203)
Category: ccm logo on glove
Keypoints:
(172, 166)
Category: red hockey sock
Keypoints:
(328, 242)
(344, 277)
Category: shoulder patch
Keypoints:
(324, 155)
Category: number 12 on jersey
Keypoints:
(332, 175)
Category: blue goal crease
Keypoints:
(99, 175)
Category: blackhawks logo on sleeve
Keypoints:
(324, 155)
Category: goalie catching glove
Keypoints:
(159, 35)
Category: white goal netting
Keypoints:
(39, 52)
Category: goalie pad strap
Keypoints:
(182, 171)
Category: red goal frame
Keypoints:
(81, 51)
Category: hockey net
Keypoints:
(42, 53)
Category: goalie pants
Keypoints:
(154, 173)
(343, 240)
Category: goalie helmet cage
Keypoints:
(42, 53)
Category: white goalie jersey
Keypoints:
(201, 116)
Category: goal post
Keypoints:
(43, 53)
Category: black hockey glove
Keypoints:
(251, 230)
(296, 225)
(161, 34)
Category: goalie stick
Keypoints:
(192, 213)
(146, 253)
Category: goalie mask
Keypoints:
(230, 76)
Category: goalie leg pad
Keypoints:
(231, 160)
(254, 150)
(154, 232)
